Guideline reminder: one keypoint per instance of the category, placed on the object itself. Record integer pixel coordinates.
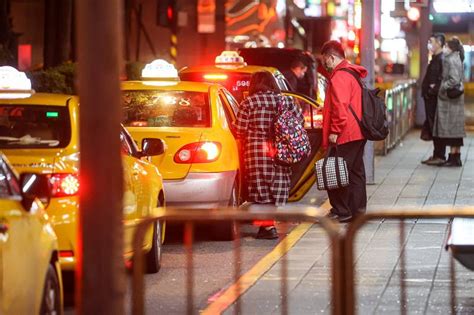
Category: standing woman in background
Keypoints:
(449, 120)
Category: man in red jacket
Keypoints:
(341, 130)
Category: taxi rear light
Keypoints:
(215, 77)
(64, 184)
(198, 152)
(66, 253)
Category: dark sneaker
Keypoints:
(436, 161)
(427, 160)
(267, 233)
(454, 160)
(344, 218)
(332, 216)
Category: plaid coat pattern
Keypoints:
(449, 118)
(267, 181)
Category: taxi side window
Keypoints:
(13, 181)
(128, 143)
(8, 183)
(125, 146)
(282, 83)
(232, 101)
(224, 104)
(4, 189)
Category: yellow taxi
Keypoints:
(39, 132)
(30, 274)
(231, 71)
(201, 167)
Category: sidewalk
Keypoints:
(400, 181)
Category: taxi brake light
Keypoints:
(215, 77)
(66, 253)
(64, 185)
(198, 152)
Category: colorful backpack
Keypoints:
(291, 140)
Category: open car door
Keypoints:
(303, 176)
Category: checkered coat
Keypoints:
(449, 118)
(267, 181)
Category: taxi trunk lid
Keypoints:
(45, 161)
(175, 139)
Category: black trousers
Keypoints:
(439, 150)
(351, 200)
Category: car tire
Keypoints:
(226, 230)
(153, 257)
(51, 300)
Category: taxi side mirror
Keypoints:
(152, 147)
(34, 186)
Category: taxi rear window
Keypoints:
(151, 108)
(34, 126)
(236, 83)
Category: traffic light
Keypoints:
(166, 13)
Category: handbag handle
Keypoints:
(336, 166)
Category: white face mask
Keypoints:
(430, 47)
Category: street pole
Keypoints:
(368, 61)
(100, 270)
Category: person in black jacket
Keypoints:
(296, 72)
(430, 89)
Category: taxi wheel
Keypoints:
(153, 257)
(226, 230)
(51, 301)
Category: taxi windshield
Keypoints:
(34, 126)
(152, 108)
(236, 83)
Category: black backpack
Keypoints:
(374, 124)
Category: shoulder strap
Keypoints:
(357, 77)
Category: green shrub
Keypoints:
(62, 78)
(134, 70)
(58, 79)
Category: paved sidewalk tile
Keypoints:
(401, 181)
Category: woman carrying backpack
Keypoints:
(268, 182)
(449, 119)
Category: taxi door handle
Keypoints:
(135, 172)
(3, 228)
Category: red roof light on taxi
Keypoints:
(198, 152)
(64, 185)
(215, 77)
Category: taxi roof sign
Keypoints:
(160, 70)
(14, 83)
(230, 59)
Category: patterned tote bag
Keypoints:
(331, 171)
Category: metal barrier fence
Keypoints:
(401, 110)
(348, 273)
(343, 287)
(190, 217)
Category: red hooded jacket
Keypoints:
(343, 90)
